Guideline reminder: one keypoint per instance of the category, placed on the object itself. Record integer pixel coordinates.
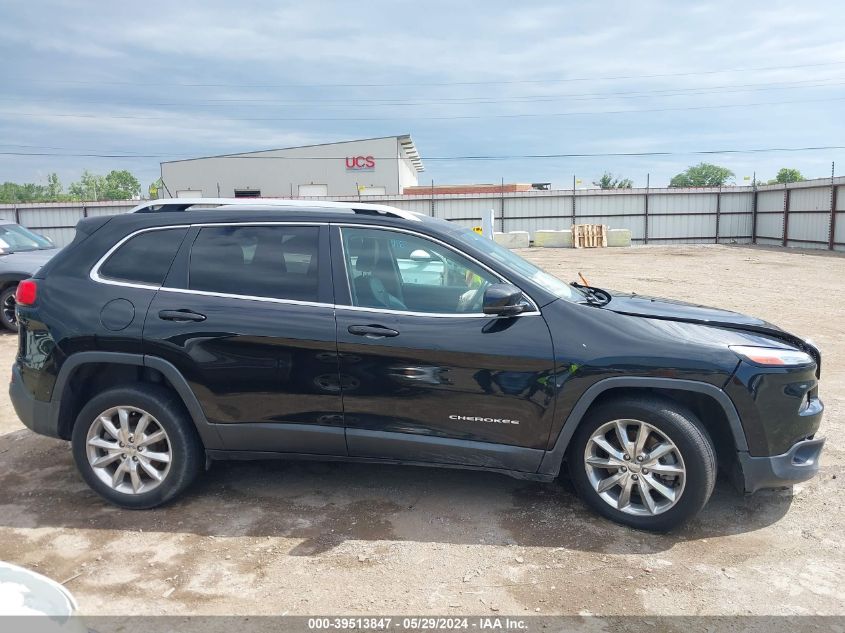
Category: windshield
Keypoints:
(15, 238)
(512, 261)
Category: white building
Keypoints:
(375, 166)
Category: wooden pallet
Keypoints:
(589, 235)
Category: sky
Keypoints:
(152, 81)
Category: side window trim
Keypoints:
(472, 315)
(180, 262)
(177, 276)
(324, 283)
(95, 270)
(327, 245)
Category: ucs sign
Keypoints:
(360, 163)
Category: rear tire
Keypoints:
(136, 447)
(8, 318)
(661, 476)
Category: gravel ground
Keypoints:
(329, 538)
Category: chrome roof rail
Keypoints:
(164, 205)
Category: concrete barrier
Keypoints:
(553, 239)
(619, 237)
(514, 239)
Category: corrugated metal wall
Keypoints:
(839, 219)
(57, 220)
(801, 214)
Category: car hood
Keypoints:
(672, 310)
(655, 307)
(27, 262)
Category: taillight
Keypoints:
(26, 292)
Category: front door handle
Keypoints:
(182, 315)
(371, 331)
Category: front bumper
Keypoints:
(778, 406)
(799, 463)
(34, 413)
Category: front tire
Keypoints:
(645, 462)
(8, 318)
(136, 446)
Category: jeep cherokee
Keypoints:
(174, 335)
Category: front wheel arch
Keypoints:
(722, 423)
(620, 443)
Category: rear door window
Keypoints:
(145, 258)
(278, 262)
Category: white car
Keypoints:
(47, 606)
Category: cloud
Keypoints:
(226, 62)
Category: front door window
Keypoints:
(398, 271)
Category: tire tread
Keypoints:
(687, 428)
(188, 452)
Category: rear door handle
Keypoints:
(182, 315)
(371, 331)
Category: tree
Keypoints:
(702, 175)
(154, 188)
(609, 181)
(786, 175)
(54, 188)
(115, 185)
(13, 192)
(120, 185)
(89, 187)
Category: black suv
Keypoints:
(174, 335)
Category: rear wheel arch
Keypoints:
(86, 374)
(708, 403)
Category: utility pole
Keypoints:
(502, 194)
(645, 209)
(432, 197)
(754, 208)
(831, 236)
(718, 211)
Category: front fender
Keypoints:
(553, 458)
(8, 279)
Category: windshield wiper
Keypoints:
(594, 296)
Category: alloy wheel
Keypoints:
(128, 450)
(8, 307)
(634, 467)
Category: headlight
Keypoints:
(771, 356)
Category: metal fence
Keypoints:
(807, 214)
(58, 219)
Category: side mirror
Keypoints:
(420, 255)
(503, 300)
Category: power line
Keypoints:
(430, 118)
(81, 149)
(436, 83)
(670, 92)
(458, 158)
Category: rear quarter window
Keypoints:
(145, 258)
